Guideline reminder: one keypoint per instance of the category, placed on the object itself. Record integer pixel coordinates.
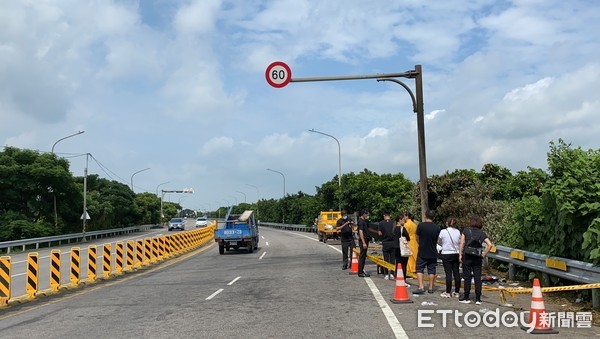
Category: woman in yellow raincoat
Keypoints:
(411, 227)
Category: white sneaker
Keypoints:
(445, 295)
(386, 277)
(455, 294)
(478, 302)
(407, 285)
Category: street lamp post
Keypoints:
(164, 183)
(244, 194)
(145, 169)
(268, 169)
(257, 197)
(339, 162)
(55, 208)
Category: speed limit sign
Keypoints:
(278, 74)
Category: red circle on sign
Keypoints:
(278, 74)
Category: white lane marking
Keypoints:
(233, 281)
(267, 243)
(262, 255)
(16, 275)
(214, 294)
(387, 311)
(307, 237)
(262, 236)
(335, 248)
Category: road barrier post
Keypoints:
(92, 259)
(5, 268)
(168, 247)
(74, 274)
(106, 260)
(154, 258)
(161, 248)
(130, 254)
(139, 253)
(147, 251)
(119, 257)
(55, 270)
(31, 285)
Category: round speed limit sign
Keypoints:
(278, 74)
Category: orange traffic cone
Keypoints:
(354, 265)
(538, 318)
(401, 295)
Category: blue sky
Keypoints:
(179, 86)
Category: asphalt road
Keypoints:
(292, 287)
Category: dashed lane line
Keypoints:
(233, 281)
(262, 255)
(214, 294)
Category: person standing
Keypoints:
(427, 236)
(450, 240)
(389, 243)
(363, 242)
(344, 225)
(399, 232)
(411, 227)
(472, 238)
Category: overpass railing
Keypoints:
(288, 227)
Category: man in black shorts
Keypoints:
(427, 237)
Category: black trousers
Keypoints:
(451, 270)
(347, 247)
(362, 257)
(391, 255)
(472, 269)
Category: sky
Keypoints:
(179, 87)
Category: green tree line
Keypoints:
(554, 211)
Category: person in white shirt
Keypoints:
(449, 239)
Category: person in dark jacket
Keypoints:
(389, 243)
(401, 231)
(364, 238)
(344, 225)
(473, 237)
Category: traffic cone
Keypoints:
(354, 265)
(401, 294)
(538, 316)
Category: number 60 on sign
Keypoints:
(278, 74)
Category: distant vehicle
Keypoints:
(201, 222)
(238, 231)
(326, 225)
(176, 223)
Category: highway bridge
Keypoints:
(291, 287)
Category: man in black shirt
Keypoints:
(344, 225)
(363, 242)
(427, 237)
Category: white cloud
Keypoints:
(434, 113)
(198, 17)
(217, 145)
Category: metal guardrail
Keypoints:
(23, 243)
(288, 227)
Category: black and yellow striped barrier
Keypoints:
(55, 270)
(147, 251)
(130, 254)
(32, 283)
(106, 260)
(92, 263)
(119, 257)
(136, 254)
(154, 258)
(139, 253)
(5, 268)
(75, 267)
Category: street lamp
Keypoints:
(339, 161)
(243, 194)
(418, 108)
(257, 197)
(55, 208)
(236, 201)
(164, 183)
(145, 169)
(268, 169)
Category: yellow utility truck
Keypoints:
(326, 225)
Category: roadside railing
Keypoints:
(288, 227)
(73, 237)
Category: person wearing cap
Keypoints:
(363, 242)
(344, 225)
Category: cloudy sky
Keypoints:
(179, 87)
